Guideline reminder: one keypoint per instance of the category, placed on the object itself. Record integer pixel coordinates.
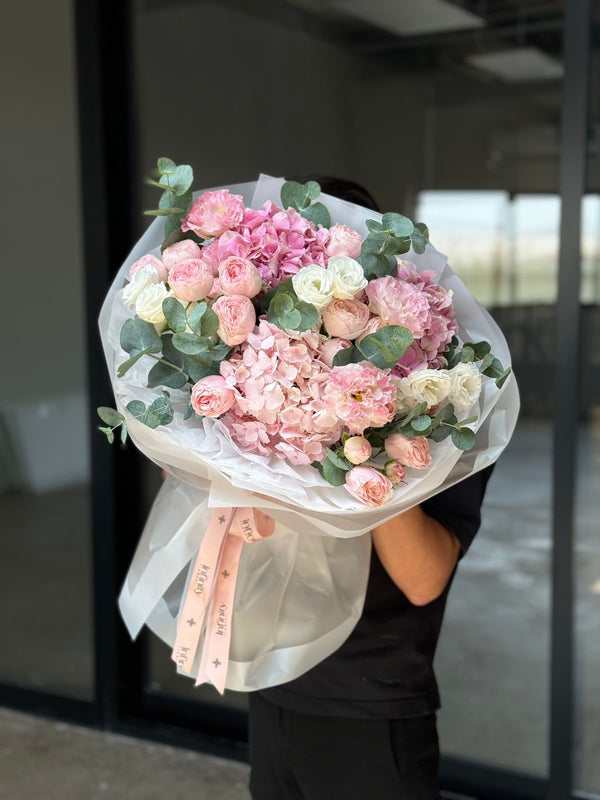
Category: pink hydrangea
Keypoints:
(279, 385)
(279, 243)
(361, 395)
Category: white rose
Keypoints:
(348, 277)
(430, 386)
(465, 387)
(148, 305)
(142, 278)
(314, 285)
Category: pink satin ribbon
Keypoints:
(211, 592)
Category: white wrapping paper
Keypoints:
(301, 591)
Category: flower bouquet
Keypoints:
(304, 369)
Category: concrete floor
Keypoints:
(44, 760)
(493, 658)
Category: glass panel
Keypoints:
(587, 574)
(45, 576)
(429, 115)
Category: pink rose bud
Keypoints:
(153, 261)
(211, 396)
(373, 325)
(343, 241)
(357, 449)
(180, 251)
(345, 318)
(394, 471)
(412, 451)
(237, 318)
(239, 276)
(191, 279)
(369, 486)
(330, 347)
(213, 213)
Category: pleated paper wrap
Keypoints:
(301, 591)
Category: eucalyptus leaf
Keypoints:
(338, 460)
(136, 334)
(163, 375)
(166, 166)
(397, 224)
(110, 415)
(441, 433)
(182, 179)
(385, 347)
(188, 411)
(332, 474)
(421, 423)
(309, 316)
(210, 323)
(294, 195)
(133, 358)
(124, 432)
(463, 438)
(317, 214)
(162, 408)
(419, 242)
(174, 312)
(163, 212)
(197, 370)
(109, 433)
(343, 357)
(190, 344)
(467, 354)
(170, 353)
(373, 225)
(502, 378)
(172, 229)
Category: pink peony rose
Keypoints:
(343, 241)
(180, 251)
(213, 213)
(394, 471)
(332, 346)
(345, 318)
(357, 449)
(361, 395)
(239, 276)
(237, 318)
(211, 396)
(210, 255)
(191, 279)
(399, 303)
(412, 451)
(153, 261)
(372, 326)
(369, 486)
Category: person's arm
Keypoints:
(418, 553)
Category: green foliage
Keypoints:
(387, 239)
(338, 459)
(385, 347)
(163, 374)
(176, 199)
(289, 313)
(136, 334)
(111, 416)
(343, 357)
(332, 473)
(159, 412)
(463, 438)
(300, 196)
(174, 312)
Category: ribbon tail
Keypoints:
(193, 612)
(217, 639)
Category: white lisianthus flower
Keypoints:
(466, 386)
(142, 278)
(148, 305)
(314, 285)
(348, 277)
(430, 386)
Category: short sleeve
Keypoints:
(459, 507)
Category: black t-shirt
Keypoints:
(385, 667)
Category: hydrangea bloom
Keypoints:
(279, 408)
(361, 395)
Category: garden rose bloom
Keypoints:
(148, 305)
(314, 285)
(394, 471)
(239, 276)
(466, 386)
(361, 395)
(191, 279)
(412, 451)
(213, 213)
(149, 259)
(332, 346)
(143, 277)
(211, 396)
(399, 303)
(430, 386)
(345, 318)
(368, 485)
(180, 251)
(357, 449)
(343, 241)
(348, 277)
(209, 253)
(237, 318)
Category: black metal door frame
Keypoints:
(104, 36)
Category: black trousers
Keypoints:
(308, 757)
